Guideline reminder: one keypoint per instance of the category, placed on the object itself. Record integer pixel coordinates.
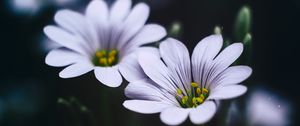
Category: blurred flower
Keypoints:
(25, 6)
(104, 40)
(175, 30)
(234, 116)
(64, 2)
(266, 109)
(179, 87)
(32, 7)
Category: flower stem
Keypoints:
(105, 107)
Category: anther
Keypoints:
(103, 61)
(198, 90)
(111, 60)
(204, 90)
(101, 53)
(184, 99)
(193, 84)
(202, 96)
(113, 53)
(179, 91)
(199, 100)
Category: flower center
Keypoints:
(193, 98)
(106, 57)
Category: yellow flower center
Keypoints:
(106, 57)
(193, 97)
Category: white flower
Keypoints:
(104, 40)
(25, 6)
(179, 87)
(265, 108)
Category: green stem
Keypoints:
(105, 107)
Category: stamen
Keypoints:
(113, 53)
(106, 57)
(101, 53)
(198, 91)
(103, 61)
(193, 84)
(194, 101)
(204, 90)
(111, 60)
(199, 100)
(194, 97)
(202, 96)
(179, 91)
(184, 99)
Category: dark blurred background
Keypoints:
(29, 89)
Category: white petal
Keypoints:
(120, 10)
(174, 115)
(203, 113)
(149, 33)
(176, 56)
(139, 14)
(134, 22)
(77, 24)
(64, 38)
(144, 106)
(70, 20)
(129, 66)
(109, 76)
(203, 55)
(62, 57)
(152, 50)
(156, 70)
(137, 50)
(118, 13)
(232, 75)
(225, 59)
(97, 10)
(76, 69)
(144, 89)
(227, 92)
(131, 69)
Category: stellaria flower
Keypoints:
(266, 108)
(104, 40)
(179, 87)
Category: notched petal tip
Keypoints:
(214, 37)
(174, 115)
(238, 45)
(49, 29)
(203, 113)
(62, 75)
(60, 13)
(76, 69)
(108, 76)
(143, 5)
(249, 71)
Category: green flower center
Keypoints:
(194, 97)
(106, 57)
